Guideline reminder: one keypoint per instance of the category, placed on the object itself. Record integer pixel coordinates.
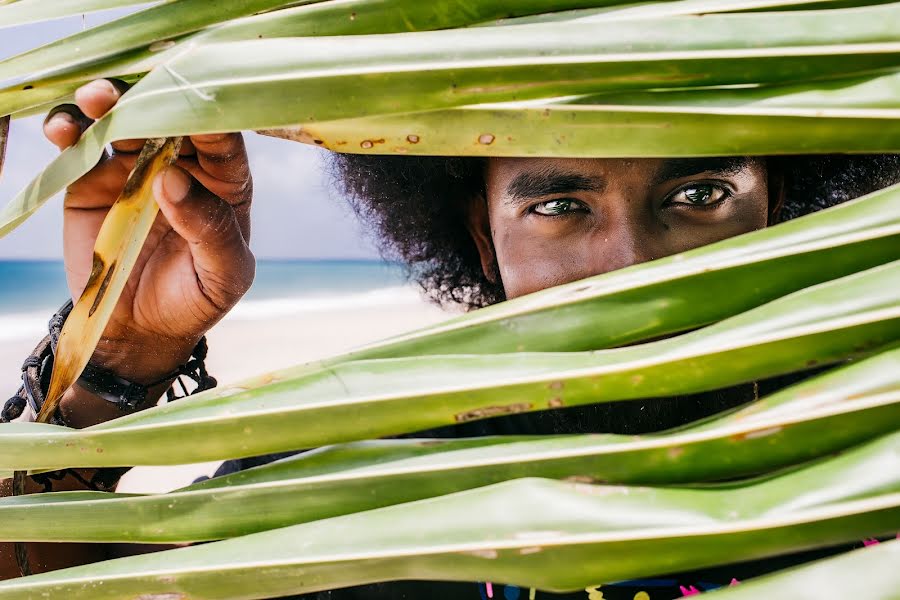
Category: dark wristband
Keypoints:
(103, 383)
(126, 395)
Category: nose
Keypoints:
(621, 243)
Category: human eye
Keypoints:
(555, 208)
(699, 194)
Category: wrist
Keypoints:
(142, 362)
(125, 373)
(80, 408)
(146, 362)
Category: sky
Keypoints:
(295, 214)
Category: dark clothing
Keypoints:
(631, 417)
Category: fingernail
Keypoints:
(60, 117)
(101, 85)
(171, 185)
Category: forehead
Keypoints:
(504, 166)
(500, 168)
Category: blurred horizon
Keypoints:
(32, 290)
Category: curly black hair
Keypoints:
(416, 208)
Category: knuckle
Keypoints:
(237, 190)
(225, 283)
(246, 274)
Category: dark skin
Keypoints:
(543, 222)
(548, 221)
(195, 266)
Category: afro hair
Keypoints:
(416, 208)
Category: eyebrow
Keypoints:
(550, 181)
(678, 168)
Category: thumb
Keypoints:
(222, 260)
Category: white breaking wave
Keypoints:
(254, 310)
(33, 325)
(22, 326)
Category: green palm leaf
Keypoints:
(161, 22)
(613, 309)
(539, 78)
(649, 10)
(528, 532)
(855, 115)
(371, 398)
(207, 88)
(840, 576)
(23, 12)
(105, 52)
(801, 423)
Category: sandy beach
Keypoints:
(261, 338)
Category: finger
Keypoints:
(64, 125)
(97, 97)
(238, 194)
(135, 147)
(187, 148)
(222, 259)
(102, 186)
(128, 146)
(223, 156)
(233, 192)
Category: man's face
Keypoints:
(552, 221)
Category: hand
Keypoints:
(196, 263)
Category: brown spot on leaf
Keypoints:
(555, 402)
(430, 443)
(758, 433)
(412, 139)
(581, 479)
(296, 134)
(161, 45)
(492, 411)
(101, 291)
(97, 265)
(486, 139)
(140, 176)
(489, 554)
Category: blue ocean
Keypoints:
(30, 291)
